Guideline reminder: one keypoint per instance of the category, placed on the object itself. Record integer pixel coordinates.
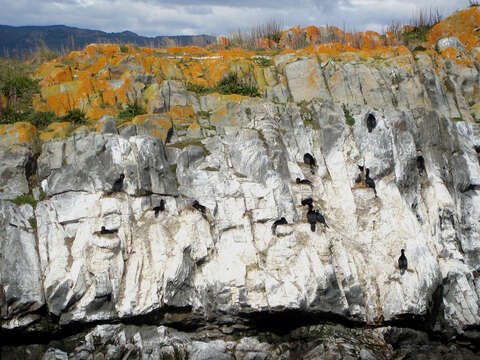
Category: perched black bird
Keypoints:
(420, 164)
(118, 184)
(106, 231)
(169, 135)
(303, 181)
(370, 182)
(159, 208)
(402, 262)
(371, 122)
(310, 160)
(312, 218)
(358, 180)
(307, 201)
(200, 208)
(320, 218)
(280, 221)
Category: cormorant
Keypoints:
(160, 207)
(106, 231)
(118, 184)
(307, 201)
(371, 122)
(312, 217)
(303, 181)
(280, 221)
(358, 180)
(402, 262)
(169, 135)
(320, 218)
(199, 207)
(370, 182)
(420, 164)
(310, 160)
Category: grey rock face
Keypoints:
(450, 42)
(220, 264)
(93, 163)
(20, 273)
(15, 164)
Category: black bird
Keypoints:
(320, 218)
(307, 201)
(118, 184)
(303, 181)
(312, 217)
(169, 135)
(159, 208)
(280, 221)
(370, 182)
(371, 122)
(358, 180)
(402, 262)
(106, 231)
(310, 160)
(420, 164)
(200, 208)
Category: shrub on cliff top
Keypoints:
(75, 116)
(131, 111)
(232, 85)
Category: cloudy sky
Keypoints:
(214, 17)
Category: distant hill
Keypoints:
(21, 41)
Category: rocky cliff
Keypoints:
(183, 283)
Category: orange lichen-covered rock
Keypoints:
(153, 125)
(57, 130)
(462, 25)
(17, 134)
(182, 115)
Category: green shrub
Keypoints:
(263, 62)
(131, 111)
(228, 85)
(42, 119)
(420, 48)
(198, 89)
(24, 199)
(124, 48)
(18, 88)
(75, 116)
(232, 85)
(348, 117)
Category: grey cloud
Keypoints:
(159, 17)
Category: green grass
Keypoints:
(419, 34)
(75, 116)
(204, 114)
(18, 88)
(130, 112)
(263, 62)
(348, 117)
(231, 84)
(199, 89)
(33, 223)
(457, 119)
(420, 48)
(24, 199)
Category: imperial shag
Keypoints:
(280, 221)
(371, 122)
(402, 262)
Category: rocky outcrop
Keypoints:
(213, 280)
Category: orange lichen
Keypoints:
(56, 130)
(19, 133)
(461, 24)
